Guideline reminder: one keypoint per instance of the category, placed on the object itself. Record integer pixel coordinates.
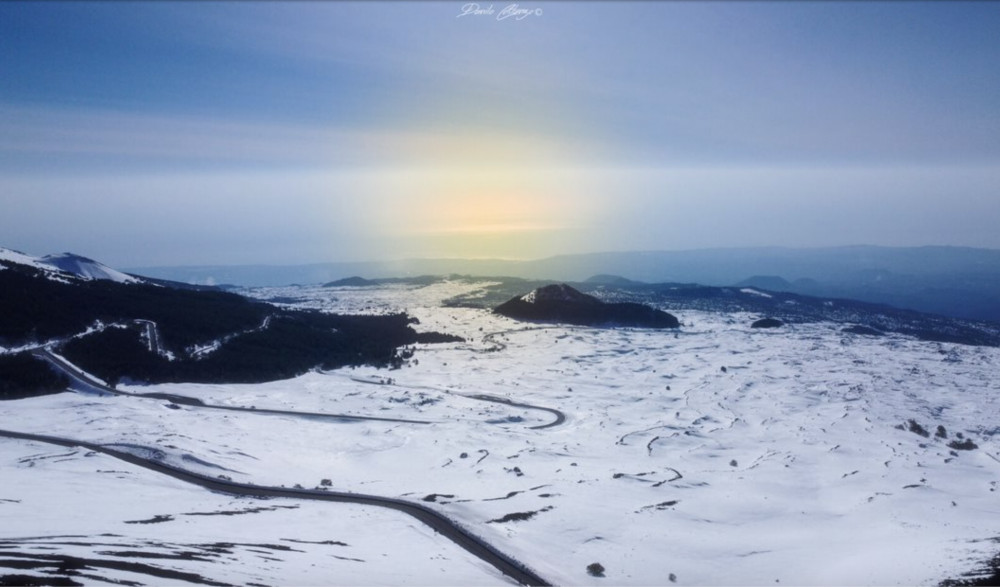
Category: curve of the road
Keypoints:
(560, 416)
(92, 385)
(440, 523)
(483, 397)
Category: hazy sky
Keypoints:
(161, 133)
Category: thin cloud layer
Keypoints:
(389, 130)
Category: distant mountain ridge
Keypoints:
(768, 282)
(960, 282)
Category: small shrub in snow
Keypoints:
(966, 444)
(916, 428)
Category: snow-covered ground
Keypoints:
(716, 454)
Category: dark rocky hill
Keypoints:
(788, 307)
(561, 303)
(133, 329)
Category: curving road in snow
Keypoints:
(560, 416)
(440, 523)
(93, 385)
(483, 397)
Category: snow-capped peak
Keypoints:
(67, 265)
(87, 268)
(18, 258)
(21, 259)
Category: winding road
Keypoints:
(483, 397)
(440, 523)
(92, 385)
(560, 416)
(435, 520)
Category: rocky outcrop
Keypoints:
(563, 304)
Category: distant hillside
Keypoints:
(605, 279)
(857, 317)
(362, 282)
(953, 281)
(350, 282)
(129, 328)
(768, 282)
(564, 304)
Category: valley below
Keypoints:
(709, 454)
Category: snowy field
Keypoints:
(712, 455)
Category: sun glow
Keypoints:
(504, 213)
(476, 193)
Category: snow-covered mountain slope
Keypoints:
(59, 267)
(87, 268)
(12, 257)
(19, 258)
(714, 454)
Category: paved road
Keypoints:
(92, 385)
(440, 523)
(483, 397)
(560, 416)
(79, 378)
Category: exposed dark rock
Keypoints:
(562, 303)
